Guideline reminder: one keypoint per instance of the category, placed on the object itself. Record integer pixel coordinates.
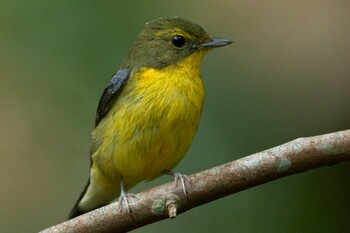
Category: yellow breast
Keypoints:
(152, 124)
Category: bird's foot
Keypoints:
(179, 178)
(124, 202)
(123, 198)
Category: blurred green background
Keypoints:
(287, 75)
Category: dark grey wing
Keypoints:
(112, 90)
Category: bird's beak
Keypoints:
(215, 42)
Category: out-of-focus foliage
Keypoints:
(286, 76)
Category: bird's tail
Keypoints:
(75, 212)
(98, 192)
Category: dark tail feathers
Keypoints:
(75, 212)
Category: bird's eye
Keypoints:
(178, 41)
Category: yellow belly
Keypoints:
(151, 125)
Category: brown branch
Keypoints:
(166, 201)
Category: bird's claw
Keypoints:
(124, 199)
(179, 178)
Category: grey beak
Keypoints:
(216, 42)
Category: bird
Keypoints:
(148, 114)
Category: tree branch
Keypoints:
(158, 203)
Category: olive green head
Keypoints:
(166, 41)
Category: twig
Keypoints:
(166, 201)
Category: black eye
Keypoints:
(178, 41)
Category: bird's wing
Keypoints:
(109, 94)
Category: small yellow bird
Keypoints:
(149, 112)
